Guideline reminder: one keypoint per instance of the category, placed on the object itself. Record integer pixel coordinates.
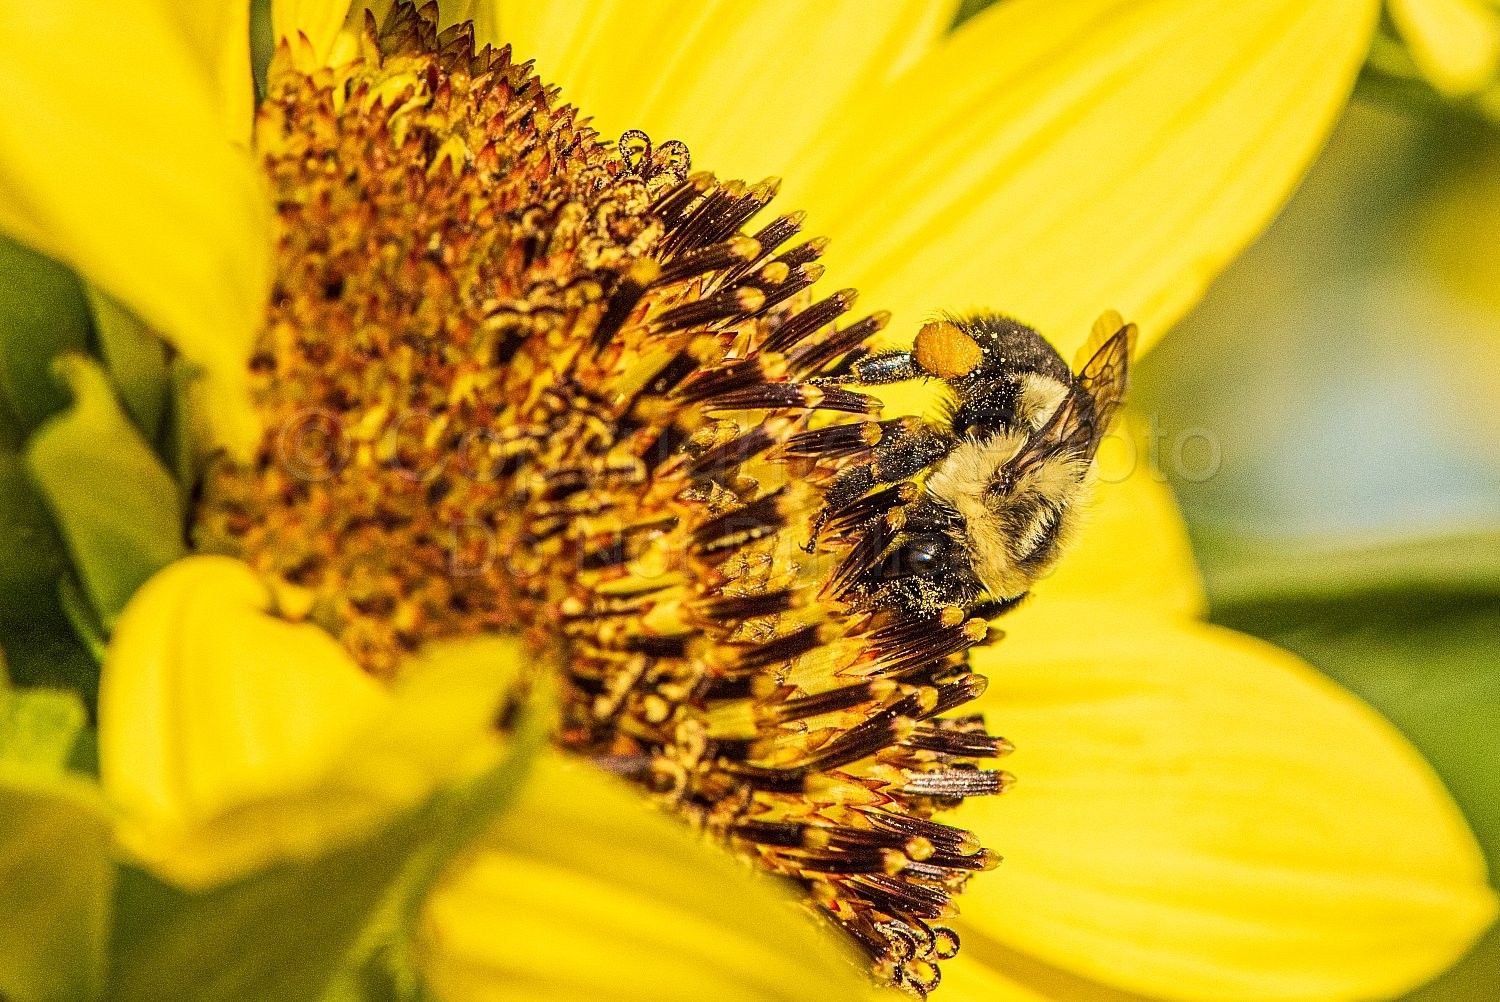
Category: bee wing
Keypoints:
(1106, 373)
(1083, 417)
(1107, 326)
(1071, 423)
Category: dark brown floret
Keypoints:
(517, 378)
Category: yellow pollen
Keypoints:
(945, 351)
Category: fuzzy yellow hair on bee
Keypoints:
(1004, 471)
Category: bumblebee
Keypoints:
(989, 496)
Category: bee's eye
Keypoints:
(921, 556)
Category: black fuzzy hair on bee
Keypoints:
(1004, 466)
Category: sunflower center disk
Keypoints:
(519, 379)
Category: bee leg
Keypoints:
(990, 608)
(876, 369)
(849, 487)
(846, 363)
(846, 488)
(910, 448)
(915, 446)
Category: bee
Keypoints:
(989, 496)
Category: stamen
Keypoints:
(814, 354)
(814, 318)
(839, 441)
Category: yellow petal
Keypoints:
(218, 32)
(230, 737)
(744, 85)
(1201, 816)
(446, 699)
(987, 971)
(1055, 160)
(207, 703)
(319, 21)
(113, 160)
(583, 892)
(1456, 43)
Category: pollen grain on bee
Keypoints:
(519, 378)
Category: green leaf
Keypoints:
(279, 935)
(1245, 573)
(39, 645)
(116, 505)
(31, 553)
(1430, 662)
(39, 727)
(137, 361)
(967, 9)
(329, 928)
(56, 876)
(84, 759)
(284, 935)
(43, 314)
(56, 872)
(184, 444)
(262, 43)
(81, 616)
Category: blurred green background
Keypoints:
(1330, 420)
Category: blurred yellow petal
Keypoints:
(744, 85)
(113, 159)
(1054, 160)
(447, 697)
(1202, 816)
(582, 892)
(208, 703)
(317, 20)
(230, 737)
(218, 32)
(1456, 43)
(971, 981)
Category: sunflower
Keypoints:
(1201, 817)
